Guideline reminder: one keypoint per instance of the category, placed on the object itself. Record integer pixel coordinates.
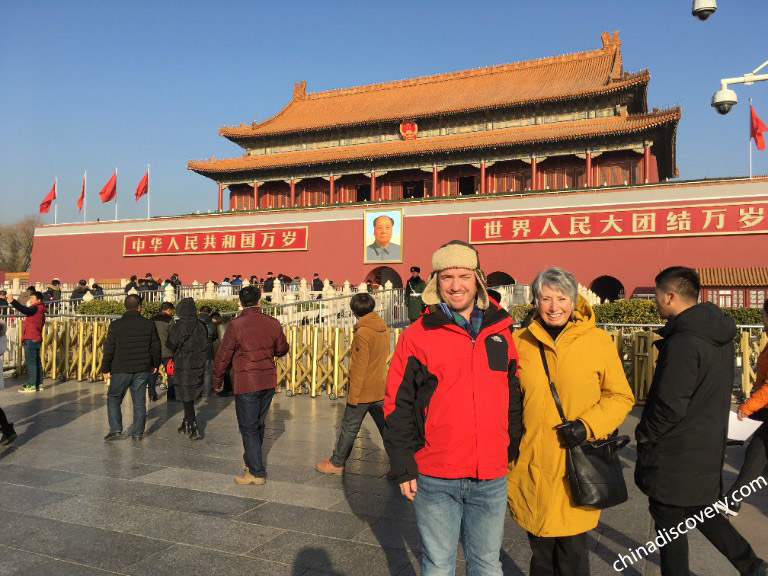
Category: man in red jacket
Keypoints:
(32, 339)
(453, 415)
(251, 342)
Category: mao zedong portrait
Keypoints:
(382, 249)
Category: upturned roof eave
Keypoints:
(669, 118)
(230, 132)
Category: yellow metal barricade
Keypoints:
(301, 361)
(644, 356)
(342, 352)
(283, 364)
(323, 361)
(750, 350)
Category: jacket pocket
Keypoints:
(497, 350)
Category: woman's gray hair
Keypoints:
(556, 279)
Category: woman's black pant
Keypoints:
(5, 426)
(559, 556)
(189, 412)
(755, 459)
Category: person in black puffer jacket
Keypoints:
(131, 353)
(682, 433)
(188, 339)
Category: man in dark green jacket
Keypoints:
(413, 291)
(163, 323)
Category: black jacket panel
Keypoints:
(132, 345)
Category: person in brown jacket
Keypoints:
(367, 380)
(251, 342)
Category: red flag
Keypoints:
(46, 204)
(143, 186)
(756, 129)
(82, 197)
(110, 189)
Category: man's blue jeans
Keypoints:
(34, 363)
(152, 381)
(118, 386)
(251, 410)
(474, 510)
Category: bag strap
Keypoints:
(183, 342)
(551, 385)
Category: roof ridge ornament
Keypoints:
(610, 41)
(300, 90)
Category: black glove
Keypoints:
(513, 451)
(572, 433)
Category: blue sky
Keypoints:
(94, 85)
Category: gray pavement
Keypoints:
(72, 504)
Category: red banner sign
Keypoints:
(647, 222)
(216, 242)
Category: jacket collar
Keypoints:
(132, 314)
(582, 320)
(436, 318)
(251, 310)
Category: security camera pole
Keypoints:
(724, 99)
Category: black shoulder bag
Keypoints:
(594, 469)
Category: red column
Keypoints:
(332, 191)
(534, 174)
(482, 177)
(374, 196)
(646, 162)
(255, 195)
(435, 191)
(221, 198)
(293, 193)
(588, 176)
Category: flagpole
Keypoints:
(148, 216)
(750, 138)
(85, 194)
(115, 194)
(55, 200)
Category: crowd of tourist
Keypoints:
(478, 417)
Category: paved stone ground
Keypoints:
(72, 505)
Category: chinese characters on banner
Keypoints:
(647, 222)
(229, 242)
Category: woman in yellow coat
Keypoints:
(588, 375)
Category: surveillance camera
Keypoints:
(703, 9)
(723, 100)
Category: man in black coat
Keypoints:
(682, 432)
(80, 291)
(131, 353)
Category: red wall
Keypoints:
(336, 252)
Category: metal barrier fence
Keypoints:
(318, 360)
(634, 343)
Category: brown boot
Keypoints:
(326, 467)
(248, 478)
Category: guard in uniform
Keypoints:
(413, 291)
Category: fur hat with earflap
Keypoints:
(455, 254)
